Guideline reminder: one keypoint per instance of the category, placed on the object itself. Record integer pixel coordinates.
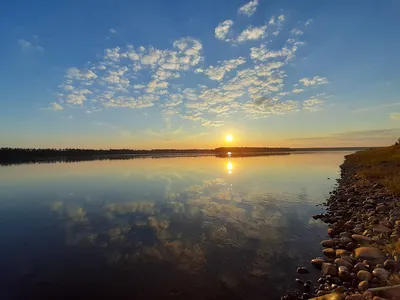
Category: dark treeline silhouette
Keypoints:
(10, 156)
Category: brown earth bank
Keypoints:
(361, 260)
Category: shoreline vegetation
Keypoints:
(10, 156)
(361, 257)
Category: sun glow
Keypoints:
(229, 166)
(229, 138)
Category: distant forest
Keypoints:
(24, 155)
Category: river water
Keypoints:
(162, 228)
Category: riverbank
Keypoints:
(361, 259)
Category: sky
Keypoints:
(184, 74)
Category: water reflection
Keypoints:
(180, 228)
(229, 167)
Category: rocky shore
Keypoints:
(361, 259)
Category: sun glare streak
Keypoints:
(229, 166)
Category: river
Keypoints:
(162, 228)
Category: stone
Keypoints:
(317, 262)
(378, 298)
(390, 265)
(341, 262)
(331, 296)
(341, 252)
(331, 232)
(381, 229)
(361, 239)
(372, 254)
(302, 270)
(329, 269)
(364, 275)
(328, 243)
(363, 286)
(344, 274)
(381, 273)
(357, 297)
(359, 266)
(345, 240)
(330, 252)
(345, 234)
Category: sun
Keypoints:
(229, 138)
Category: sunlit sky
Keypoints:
(185, 74)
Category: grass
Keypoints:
(380, 165)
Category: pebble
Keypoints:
(359, 266)
(329, 269)
(364, 275)
(372, 254)
(330, 252)
(361, 239)
(381, 273)
(341, 252)
(363, 286)
(341, 262)
(317, 262)
(328, 243)
(381, 229)
(390, 265)
(302, 270)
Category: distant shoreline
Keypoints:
(10, 156)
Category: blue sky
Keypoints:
(161, 74)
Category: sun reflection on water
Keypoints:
(229, 166)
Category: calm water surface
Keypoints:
(166, 228)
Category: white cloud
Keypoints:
(395, 116)
(313, 81)
(112, 31)
(296, 91)
(222, 30)
(312, 104)
(309, 21)
(26, 45)
(176, 79)
(249, 8)
(296, 31)
(218, 73)
(252, 33)
(55, 106)
(272, 21)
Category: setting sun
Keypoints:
(229, 138)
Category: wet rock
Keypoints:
(329, 252)
(381, 273)
(381, 229)
(341, 252)
(359, 266)
(329, 269)
(341, 262)
(345, 240)
(361, 239)
(390, 265)
(363, 286)
(372, 254)
(328, 243)
(317, 262)
(331, 296)
(356, 297)
(299, 281)
(345, 234)
(364, 275)
(302, 270)
(378, 298)
(331, 232)
(344, 274)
